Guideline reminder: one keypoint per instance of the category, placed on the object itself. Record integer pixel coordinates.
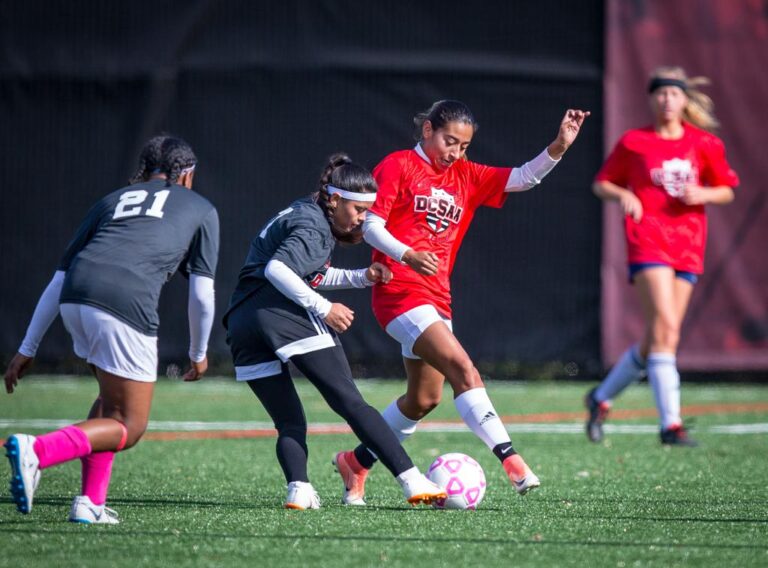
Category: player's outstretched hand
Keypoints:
(423, 262)
(196, 370)
(18, 366)
(570, 127)
(378, 273)
(340, 317)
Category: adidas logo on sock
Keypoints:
(490, 415)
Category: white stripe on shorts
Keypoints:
(306, 345)
(314, 322)
(319, 324)
(258, 371)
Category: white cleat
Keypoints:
(530, 481)
(301, 496)
(419, 489)
(84, 511)
(25, 470)
(520, 474)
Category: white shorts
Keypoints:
(110, 344)
(406, 328)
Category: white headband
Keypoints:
(351, 195)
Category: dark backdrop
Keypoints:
(264, 92)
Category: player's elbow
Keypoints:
(598, 189)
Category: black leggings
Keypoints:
(328, 370)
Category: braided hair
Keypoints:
(341, 172)
(176, 156)
(149, 159)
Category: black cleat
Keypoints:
(677, 436)
(598, 412)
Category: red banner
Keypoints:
(727, 323)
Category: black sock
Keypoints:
(364, 457)
(503, 451)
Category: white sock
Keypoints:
(627, 370)
(665, 382)
(400, 424)
(407, 475)
(477, 411)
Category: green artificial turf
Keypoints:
(217, 502)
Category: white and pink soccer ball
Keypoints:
(462, 478)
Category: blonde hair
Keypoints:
(700, 110)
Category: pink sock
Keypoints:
(61, 446)
(97, 471)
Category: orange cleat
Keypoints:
(353, 475)
(520, 474)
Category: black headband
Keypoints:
(657, 82)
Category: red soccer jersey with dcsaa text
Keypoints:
(657, 170)
(428, 210)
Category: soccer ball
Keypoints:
(462, 478)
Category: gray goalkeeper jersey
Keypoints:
(131, 243)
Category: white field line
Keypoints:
(437, 427)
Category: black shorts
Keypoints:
(267, 329)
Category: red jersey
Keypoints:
(428, 210)
(657, 171)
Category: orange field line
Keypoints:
(542, 417)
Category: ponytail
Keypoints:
(341, 172)
(700, 110)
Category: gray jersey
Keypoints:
(299, 236)
(131, 243)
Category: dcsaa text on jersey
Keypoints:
(440, 207)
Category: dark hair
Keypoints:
(341, 172)
(443, 112)
(176, 156)
(149, 158)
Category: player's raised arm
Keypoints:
(533, 172)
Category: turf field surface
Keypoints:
(204, 487)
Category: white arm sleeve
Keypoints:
(376, 234)
(531, 173)
(46, 311)
(340, 278)
(295, 289)
(200, 310)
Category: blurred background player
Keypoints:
(426, 201)
(107, 288)
(276, 316)
(662, 176)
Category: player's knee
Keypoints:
(135, 431)
(665, 335)
(464, 376)
(296, 429)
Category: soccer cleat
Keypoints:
(520, 474)
(353, 475)
(25, 472)
(301, 496)
(84, 511)
(598, 412)
(677, 436)
(419, 489)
